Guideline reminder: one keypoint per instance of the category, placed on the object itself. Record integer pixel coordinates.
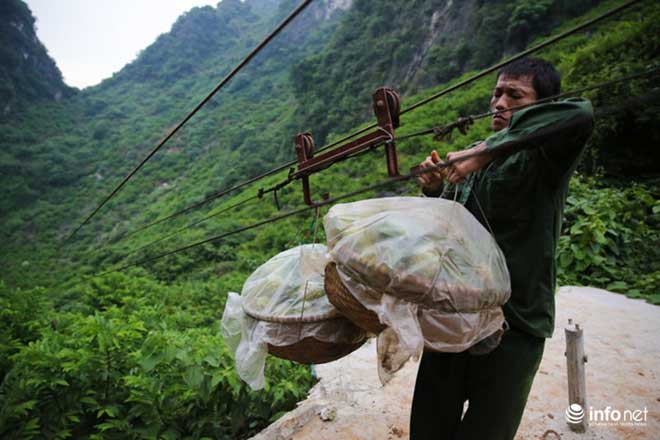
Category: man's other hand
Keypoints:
(457, 172)
(431, 181)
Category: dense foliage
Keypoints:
(137, 354)
(611, 238)
(128, 357)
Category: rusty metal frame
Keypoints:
(386, 106)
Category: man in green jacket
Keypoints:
(516, 187)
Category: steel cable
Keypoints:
(425, 101)
(413, 174)
(195, 223)
(464, 120)
(444, 130)
(217, 88)
(392, 180)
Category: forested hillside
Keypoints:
(414, 46)
(137, 353)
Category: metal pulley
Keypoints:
(386, 106)
(393, 107)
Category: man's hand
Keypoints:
(433, 180)
(457, 172)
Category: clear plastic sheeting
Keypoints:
(430, 271)
(281, 303)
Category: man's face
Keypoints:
(510, 92)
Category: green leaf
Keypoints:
(600, 238)
(89, 401)
(588, 210)
(276, 416)
(212, 361)
(193, 376)
(32, 426)
(565, 259)
(65, 433)
(617, 286)
(170, 434)
(150, 362)
(654, 299)
(61, 382)
(24, 408)
(110, 410)
(217, 378)
(105, 426)
(576, 229)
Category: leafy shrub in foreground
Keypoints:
(610, 239)
(144, 366)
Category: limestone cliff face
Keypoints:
(27, 72)
(413, 45)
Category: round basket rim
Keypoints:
(348, 304)
(332, 314)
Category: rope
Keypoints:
(483, 214)
(425, 101)
(241, 185)
(208, 97)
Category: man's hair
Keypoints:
(545, 78)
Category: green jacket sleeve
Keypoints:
(560, 129)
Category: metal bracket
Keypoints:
(386, 106)
(304, 152)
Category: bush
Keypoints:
(610, 238)
(145, 362)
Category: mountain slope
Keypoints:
(137, 353)
(61, 159)
(111, 126)
(413, 45)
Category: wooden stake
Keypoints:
(576, 417)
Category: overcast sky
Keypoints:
(91, 39)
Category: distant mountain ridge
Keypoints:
(93, 136)
(27, 73)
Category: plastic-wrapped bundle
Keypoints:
(426, 267)
(283, 309)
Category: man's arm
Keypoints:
(558, 129)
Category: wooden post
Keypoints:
(576, 413)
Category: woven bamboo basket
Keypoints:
(345, 302)
(312, 351)
(308, 350)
